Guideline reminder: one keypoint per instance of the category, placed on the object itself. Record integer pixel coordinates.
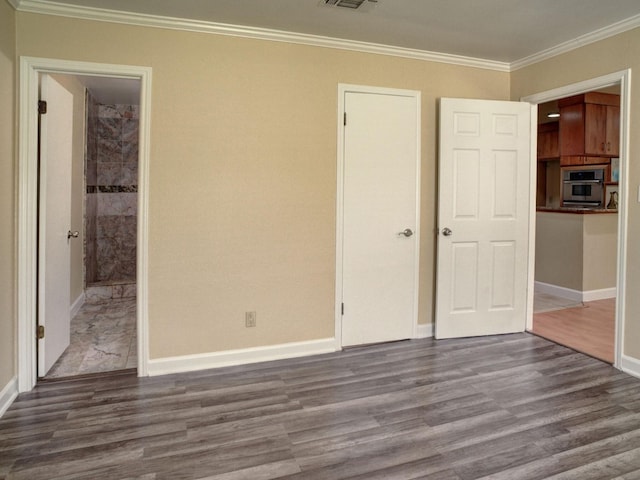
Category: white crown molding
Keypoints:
(595, 36)
(14, 3)
(100, 14)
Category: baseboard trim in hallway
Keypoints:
(630, 365)
(8, 394)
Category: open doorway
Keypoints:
(102, 240)
(579, 220)
(31, 69)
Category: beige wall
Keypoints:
(559, 249)
(600, 237)
(77, 183)
(8, 292)
(607, 56)
(576, 251)
(243, 173)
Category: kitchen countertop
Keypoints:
(575, 210)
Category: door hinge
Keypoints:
(345, 118)
(40, 333)
(342, 309)
(42, 107)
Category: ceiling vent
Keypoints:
(361, 5)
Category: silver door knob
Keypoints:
(71, 234)
(446, 231)
(407, 232)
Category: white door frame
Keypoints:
(344, 88)
(30, 68)
(623, 78)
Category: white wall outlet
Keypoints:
(250, 319)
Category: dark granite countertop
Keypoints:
(575, 210)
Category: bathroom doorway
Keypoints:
(103, 233)
(27, 178)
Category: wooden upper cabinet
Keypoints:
(590, 125)
(548, 147)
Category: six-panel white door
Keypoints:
(380, 216)
(483, 217)
(54, 219)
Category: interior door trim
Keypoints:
(343, 89)
(623, 78)
(30, 69)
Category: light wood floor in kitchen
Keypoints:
(588, 328)
(510, 407)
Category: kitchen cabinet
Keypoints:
(589, 127)
(548, 146)
(576, 160)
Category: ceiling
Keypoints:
(497, 30)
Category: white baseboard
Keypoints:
(189, 363)
(77, 305)
(575, 295)
(604, 293)
(425, 330)
(630, 365)
(8, 394)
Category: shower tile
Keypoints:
(127, 111)
(130, 152)
(109, 151)
(130, 130)
(110, 173)
(110, 128)
(112, 205)
(129, 290)
(91, 167)
(130, 173)
(109, 111)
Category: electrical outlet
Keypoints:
(250, 319)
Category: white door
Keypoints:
(54, 218)
(381, 156)
(483, 217)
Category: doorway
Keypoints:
(30, 70)
(576, 244)
(603, 309)
(103, 181)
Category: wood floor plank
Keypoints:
(499, 407)
(589, 329)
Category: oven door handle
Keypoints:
(582, 181)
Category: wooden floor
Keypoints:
(510, 407)
(589, 329)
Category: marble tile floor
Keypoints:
(545, 302)
(103, 338)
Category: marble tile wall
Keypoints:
(113, 194)
(91, 200)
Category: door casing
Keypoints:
(342, 90)
(30, 68)
(622, 78)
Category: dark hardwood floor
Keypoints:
(507, 407)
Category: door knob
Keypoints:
(72, 234)
(446, 231)
(407, 232)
